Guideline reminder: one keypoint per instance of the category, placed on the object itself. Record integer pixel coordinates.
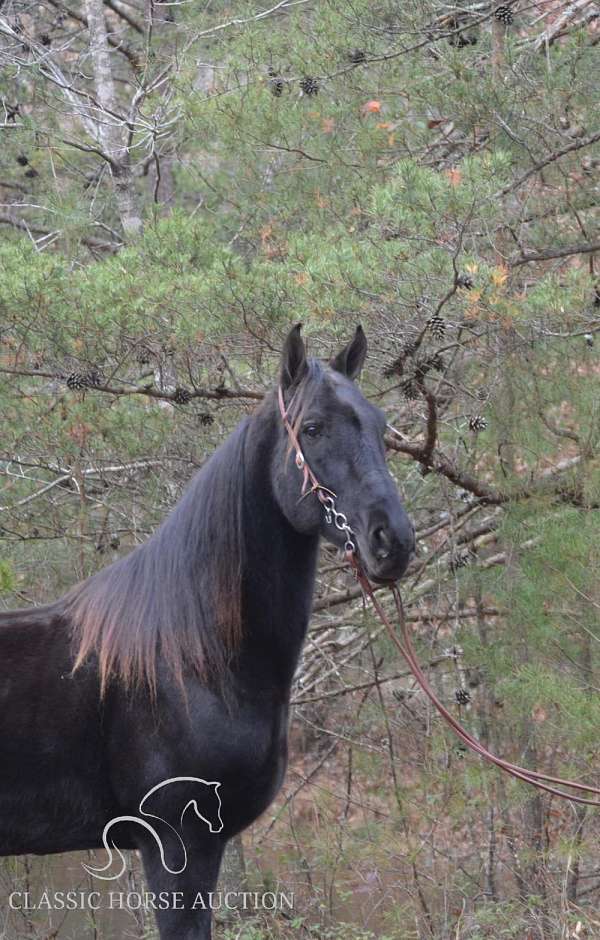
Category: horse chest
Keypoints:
(257, 765)
(244, 749)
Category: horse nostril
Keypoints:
(381, 543)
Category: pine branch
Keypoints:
(547, 254)
(216, 394)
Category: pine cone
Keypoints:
(462, 39)
(309, 85)
(276, 83)
(461, 559)
(477, 423)
(462, 696)
(357, 56)
(410, 390)
(465, 280)
(76, 381)
(22, 160)
(182, 396)
(437, 327)
(206, 419)
(504, 14)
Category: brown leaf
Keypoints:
(539, 714)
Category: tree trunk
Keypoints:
(112, 131)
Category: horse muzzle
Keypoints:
(388, 547)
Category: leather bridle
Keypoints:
(403, 641)
(325, 496)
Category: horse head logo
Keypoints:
(184, 793)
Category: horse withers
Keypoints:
(162, 683)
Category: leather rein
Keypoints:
(402, 640)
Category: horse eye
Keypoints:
(311, 430)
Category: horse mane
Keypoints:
(176, 599)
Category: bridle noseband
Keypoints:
(403, 642)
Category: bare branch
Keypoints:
(547, 254)
(546, 161)
(216, 394)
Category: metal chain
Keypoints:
(340, 520)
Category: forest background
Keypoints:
(180, 182)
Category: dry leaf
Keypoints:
(539, 714)
(455, 176)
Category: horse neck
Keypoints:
(279, 571)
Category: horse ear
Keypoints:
(351, 359)
(293, 360)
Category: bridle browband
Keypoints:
(403, 642)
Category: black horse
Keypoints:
(177, 661)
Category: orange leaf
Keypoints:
(80, 432)
(455, 176)
(371, 107)
(499, 275)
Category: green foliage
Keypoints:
(7, 577)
